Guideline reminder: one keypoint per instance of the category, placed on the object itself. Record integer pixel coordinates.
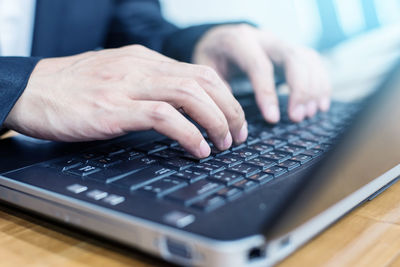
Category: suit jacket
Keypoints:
(67, 27)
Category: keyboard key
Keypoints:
(162, 187)
(245, 185)
(229, 193)
(190, 176)
(236, 147)
(245, 153)
(122, 169)
(289, 137)
(143, 177)
(279, 129)
(151, 147)
(177, 163)
(289, 164)
(168, 142)
(245, 169)
(289, 126)
(323, 147)
(252, 140)
(113, 150)
(304, 143)
(210, 203)
(303, 133)
(209, 167)
(292, 150)
(106, 161)
(130, 155)
(144, 161)
(215, 151)
(264, 135)
(179, 148)
(319, 131)
(229, 159)
(275, 171)
(91, 156)
(327, 125)
(195, 191)
(96, 194)
(114, 200)
(313, 152)
(274, 142)
(315, 138)
(262, 162)
(189, 156)
(261, 177)
(84, 170)
(261, 148)
(302, 158)
(66, 164)
(226, 177)
(166, 154)
(76, 188)
(276, 156)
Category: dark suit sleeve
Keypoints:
(141, 22)
(14, 76)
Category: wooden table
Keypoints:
(368, 236)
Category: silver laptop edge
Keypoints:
(151, 237)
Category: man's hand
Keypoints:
(257, 53)
(104, 94)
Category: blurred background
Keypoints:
(360, 39)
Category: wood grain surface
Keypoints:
(368, 236)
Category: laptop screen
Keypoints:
(369, 149)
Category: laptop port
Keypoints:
(256, 253)
(284, 242)
(178, 249)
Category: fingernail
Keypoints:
(227, 141)
(299, 112)
(204, 149)
(243, 133)
(325, 103)
(273, 113)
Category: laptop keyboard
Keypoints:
(164, 170)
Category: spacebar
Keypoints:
(143, 177)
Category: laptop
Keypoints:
(252, 205)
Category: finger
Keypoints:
(297, 77)
(219, 92)
(314, 92)
(320, 85)
(165, 119)
(187, 94)
(251, 58)
(325, 88)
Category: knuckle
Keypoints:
(159, 111)
(237, 114)
(244, 28)
(109, 127)
(135, 48)
(207, 74)
(189, 88)
(188, 84)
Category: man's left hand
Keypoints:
(257, 53)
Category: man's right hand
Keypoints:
(105, 94)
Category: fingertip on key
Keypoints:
(205, 149)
